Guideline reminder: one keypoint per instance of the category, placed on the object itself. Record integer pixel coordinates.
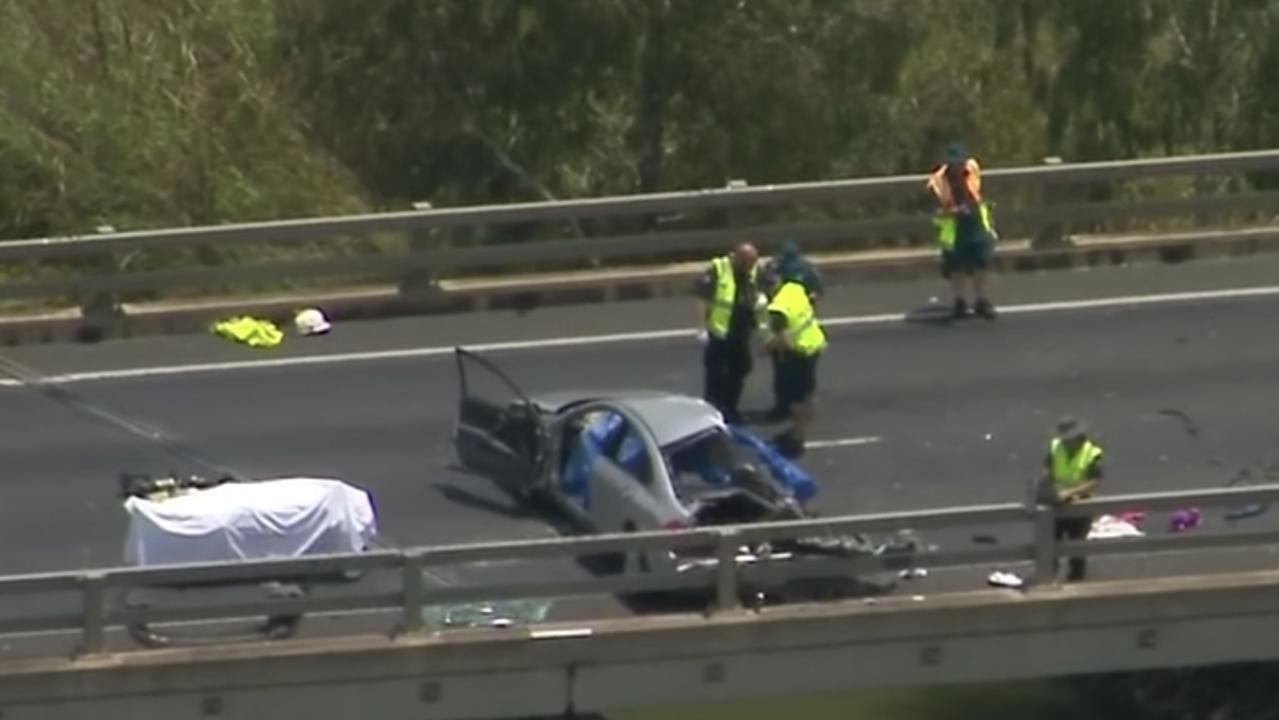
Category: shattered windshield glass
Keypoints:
(505, 613)
(495, 613)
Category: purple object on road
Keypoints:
(1186, 519)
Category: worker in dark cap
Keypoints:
(788, 265)
(965, 232)
(729, 300)
(1072, 471)
(796, 341)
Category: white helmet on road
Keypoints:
(311, 321)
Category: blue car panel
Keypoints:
(790, 475)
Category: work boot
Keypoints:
(789, 446)
(985, 309)
(959, 309)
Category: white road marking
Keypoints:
(842, 442)
(577, 341)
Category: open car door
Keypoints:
(498, 432)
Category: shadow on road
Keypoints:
(937, 315)
(475, 501)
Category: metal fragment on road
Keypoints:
(1188, 423)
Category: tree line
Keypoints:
(147, 113)
(153, 113)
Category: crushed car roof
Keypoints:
(672, 417)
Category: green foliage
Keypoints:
(147, 113)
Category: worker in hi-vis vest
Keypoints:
(796, 340)
(729, 302)
(1072, 471)
(789, 264)
(965, 231)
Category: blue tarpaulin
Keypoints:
(605, 431)
(792, 476)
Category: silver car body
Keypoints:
(540, 445)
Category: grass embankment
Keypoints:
(1014, 701)
(138, 114)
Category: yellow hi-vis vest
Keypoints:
(802, 329)
(945, 226)
(721, 306)
(944, 221)
(251, 331)
(1070, 471)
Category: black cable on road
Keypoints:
(34, 380)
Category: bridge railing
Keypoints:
(721, 577)
(416, 249)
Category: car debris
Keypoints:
(624, 461)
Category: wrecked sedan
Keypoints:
(642, 460)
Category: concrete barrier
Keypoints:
(550, 670)
(526, 292)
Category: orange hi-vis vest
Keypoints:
(940, 185)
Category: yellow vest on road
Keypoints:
(251, 331)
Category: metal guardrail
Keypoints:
(99, 284)
(722, 580)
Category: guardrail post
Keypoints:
(100, 310)
(100, 315)
(1045, 545)
(726, 571)
(414, 590)
(1052, 234)
(93, 599)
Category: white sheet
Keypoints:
(1108, 527)
(276, 518)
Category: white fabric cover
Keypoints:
(1107, 527)
(276, 518)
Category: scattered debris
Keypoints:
(1244, 479)
(1188, 423)
(1133, 517)
(1187, 519)
(1000, 578)
(1108, 526)
(486, 614)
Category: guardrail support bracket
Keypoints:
(101, 316)
(414, 592)
(1045, 545)
(93, 595)
(726, 585)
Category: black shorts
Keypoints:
(796, 377)
(971, 252)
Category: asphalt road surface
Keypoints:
(911, 415)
